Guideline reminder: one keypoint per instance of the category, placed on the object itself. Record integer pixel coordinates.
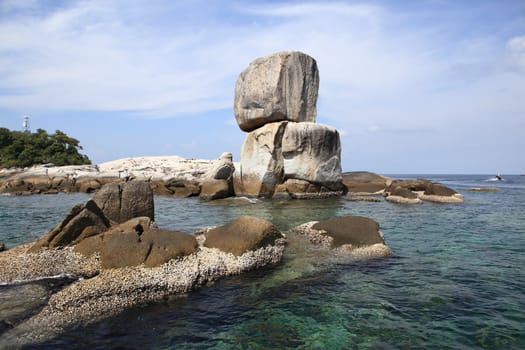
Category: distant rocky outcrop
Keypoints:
(166, 175)
(413, 191)
(275, 101)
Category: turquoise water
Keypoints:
(456, 279)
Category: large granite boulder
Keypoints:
(134, 243)
(82, 221)
(312, 152)
(282, 86)
(242, 234)
(126, 200)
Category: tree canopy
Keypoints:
(22, 149)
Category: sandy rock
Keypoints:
(278, 87)
(134, 243)
(242, 234)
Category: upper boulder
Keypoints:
(278, 87)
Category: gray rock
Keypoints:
(278, 87)
(126, 200)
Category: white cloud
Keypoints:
(515, 53)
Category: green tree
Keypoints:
(21, 149)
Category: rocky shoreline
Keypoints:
(209, 179)
(106, 272)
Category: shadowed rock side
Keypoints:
(126, 200)
(218, 182)
(278, 87)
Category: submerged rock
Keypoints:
(348, 233)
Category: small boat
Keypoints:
(498, 177)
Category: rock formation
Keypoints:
(285, 153)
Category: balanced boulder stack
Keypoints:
(285, 154)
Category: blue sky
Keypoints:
(423, 86)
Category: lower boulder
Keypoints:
(242, 234)
(134, 243)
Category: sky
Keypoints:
(413, 86)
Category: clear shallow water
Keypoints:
(456, 280)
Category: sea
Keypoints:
(456, 279)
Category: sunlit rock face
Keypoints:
(278, 87)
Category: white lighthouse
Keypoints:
(25, 124)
